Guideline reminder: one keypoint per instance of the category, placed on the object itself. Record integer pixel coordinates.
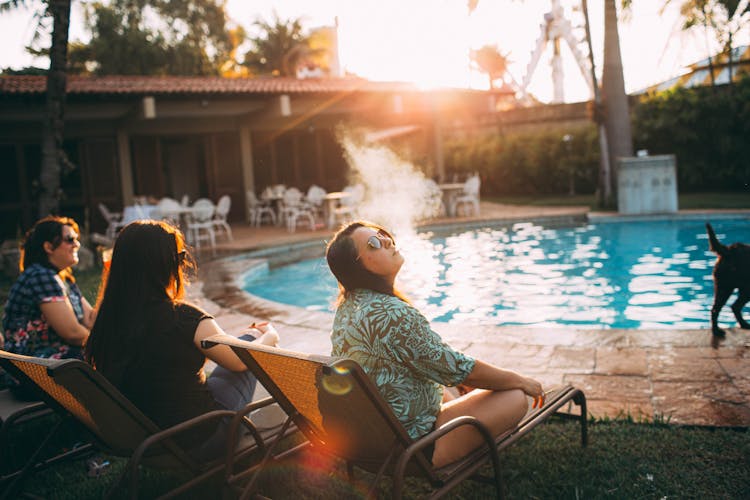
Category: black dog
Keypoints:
(731, 271)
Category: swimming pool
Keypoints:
(613, 274)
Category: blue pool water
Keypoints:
(643, 274)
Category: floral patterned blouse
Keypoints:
(405, 358)
(24, 327)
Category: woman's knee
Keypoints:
(518, 402)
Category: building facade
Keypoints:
(131, 136)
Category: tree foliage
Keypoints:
(491, 61)
(154, 37)
(279, 48)
(721, 19)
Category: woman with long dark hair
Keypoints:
(146, 338)
(376, 326)
(46, 316)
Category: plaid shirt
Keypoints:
(25, 329)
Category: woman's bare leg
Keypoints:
(498, 410)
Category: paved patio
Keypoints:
(679, 376)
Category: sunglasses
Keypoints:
(375, 242)
(70, 239)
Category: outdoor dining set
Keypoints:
(203, 220)
(288, 206)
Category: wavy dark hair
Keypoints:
(148, 266)
(351, 274)
(46, 230)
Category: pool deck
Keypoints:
(677, 376)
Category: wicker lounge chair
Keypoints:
(72, 387)
(340, 411)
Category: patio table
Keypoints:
(333, 199)
(450, 191)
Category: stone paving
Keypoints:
(677, 376)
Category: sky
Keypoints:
(428, 41)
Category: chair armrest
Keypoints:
(200, 419)
(433, 436)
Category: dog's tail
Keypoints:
(715, 245)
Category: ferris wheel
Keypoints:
(555, 29)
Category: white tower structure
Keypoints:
(554, 29)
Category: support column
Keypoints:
(246, 160)
(126, 167)
(437, 132)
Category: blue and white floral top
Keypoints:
(405, 358)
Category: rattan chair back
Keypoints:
(332, 401)
(74, 386)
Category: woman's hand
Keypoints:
(268, 334)
(534, 389)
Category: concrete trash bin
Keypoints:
(647, 185)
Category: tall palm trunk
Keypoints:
(614, 98)
(53, 155)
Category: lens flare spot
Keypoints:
(338, 382)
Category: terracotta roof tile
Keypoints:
(27, 84)
(139, 85)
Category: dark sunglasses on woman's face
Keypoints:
(70, 239)
(375, 242)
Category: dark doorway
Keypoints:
(184, 164)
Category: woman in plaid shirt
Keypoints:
(46, 316)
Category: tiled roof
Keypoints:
(139, 85)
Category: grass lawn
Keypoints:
(624, 459)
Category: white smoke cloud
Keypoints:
(397, 194)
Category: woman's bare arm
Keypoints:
(220, 354)
(487, 376)
(61, 317)
(89, 313)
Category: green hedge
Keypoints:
(531, 163)
(707, 129)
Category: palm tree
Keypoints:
(279, 47)
(614, 99)
(53, 155)
(491, 61)
(725, 18)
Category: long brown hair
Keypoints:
(46, 230)
(351, 274)
(148, 266)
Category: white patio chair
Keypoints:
(220, 216)
(200, 224)
(185, 200)
(257, 209)
(469, 196)
(315, 197)
(114, 221)
(293, 207)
